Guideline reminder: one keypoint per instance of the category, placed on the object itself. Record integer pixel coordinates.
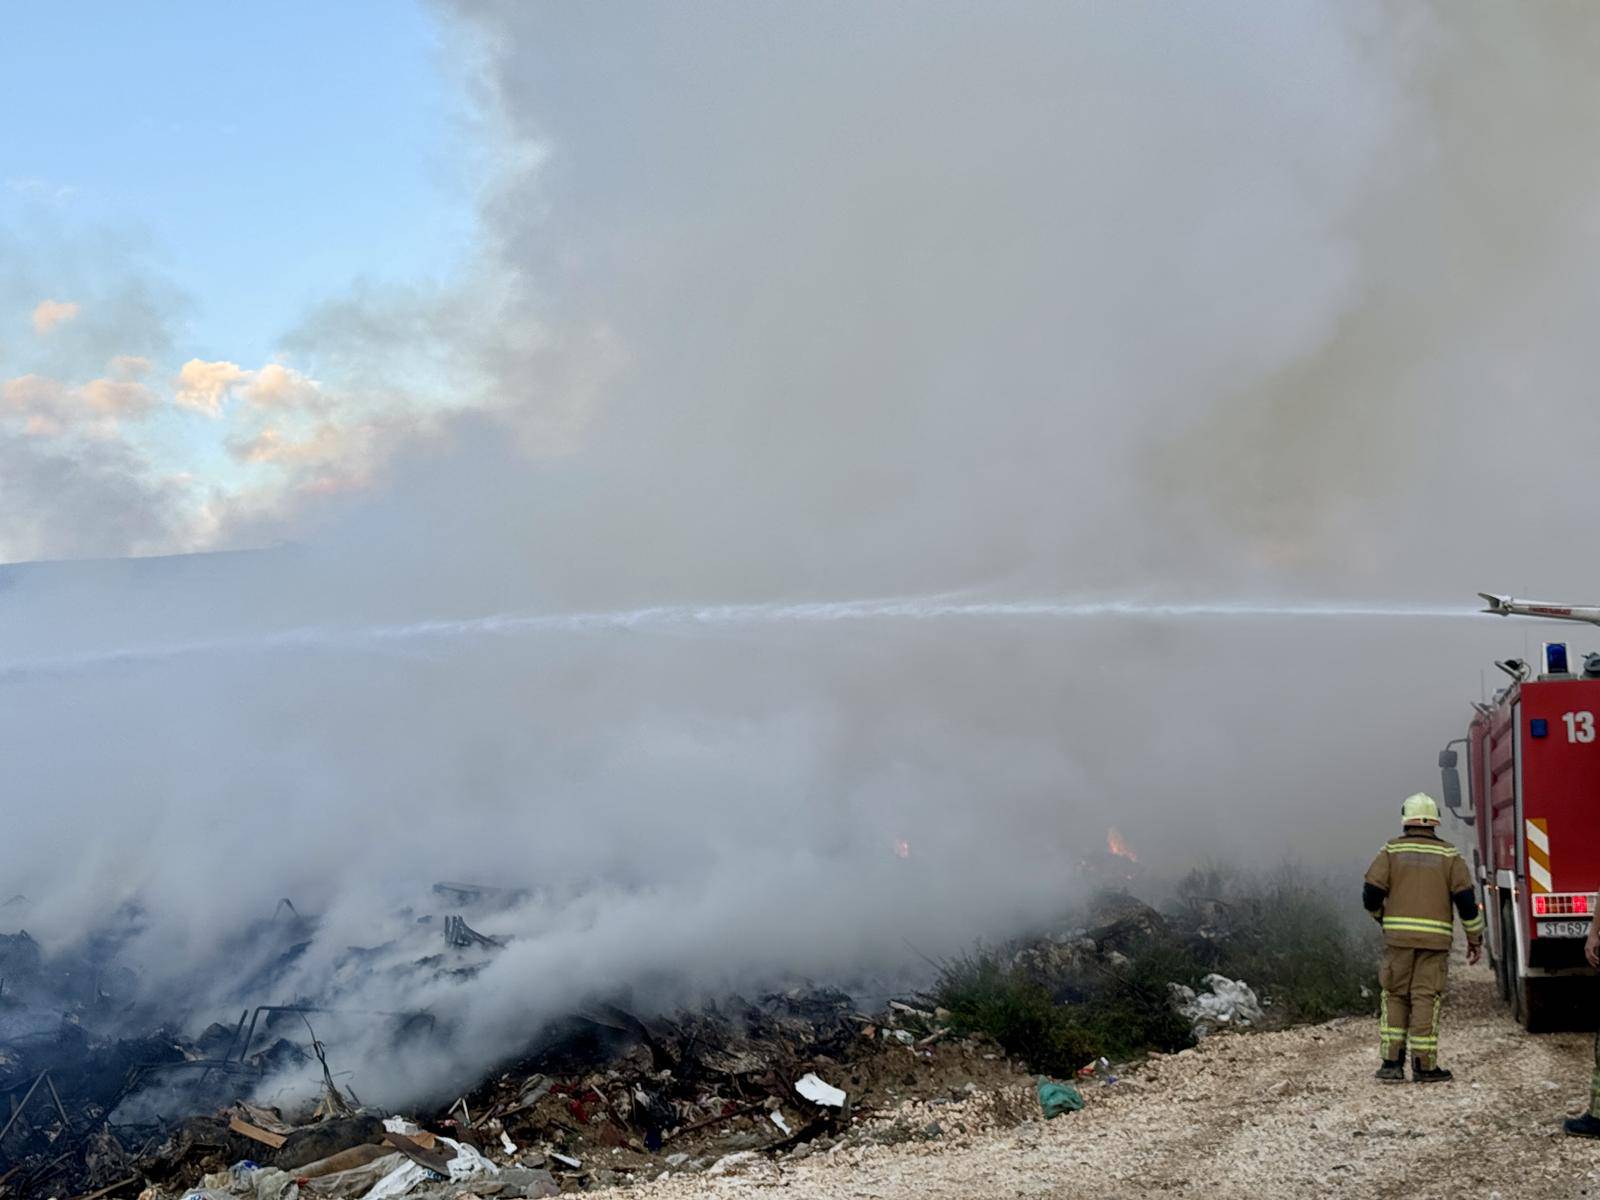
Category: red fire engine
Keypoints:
(1533, 778)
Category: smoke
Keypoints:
(1097, 305)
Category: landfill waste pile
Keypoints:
(105, 1093)
(603, 1095)
(607, 1099)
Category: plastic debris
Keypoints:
(1229, 1003)
(1056, 1098)
(247, 1181)
(467, 1164)
(819, 1092)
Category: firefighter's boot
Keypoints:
(1587, 1125)
(1434, 1074)
(1392, 1071)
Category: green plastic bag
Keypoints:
(1057, 1098)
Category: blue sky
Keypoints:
(267, 154)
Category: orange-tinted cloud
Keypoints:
(326, 444)
(50, 313)
(48, 407)
(203, 386)
(277, 386)
(117, 397)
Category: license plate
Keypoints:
(1563, 928)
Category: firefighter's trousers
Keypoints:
(1594, 1080)
(1413, 989)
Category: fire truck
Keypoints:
(1533, 802)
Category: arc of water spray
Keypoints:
(687, 616)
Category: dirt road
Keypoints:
(1287, 1114)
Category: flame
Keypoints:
(1119, 847)
(902, 848)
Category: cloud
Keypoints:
(203, 386)
(206, 386)
(34, 188)
(326, 444)
(92, 497)
(276, 386)
(40, 401)
(129, 366)
(50, 407)
(119, 398)
(48, 314)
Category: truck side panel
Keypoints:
(1560, 744)
(1500, 746)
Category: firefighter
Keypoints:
(1588, 1125)
(1410, 889)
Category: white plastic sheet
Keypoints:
(818, 1092)
(1227, 1003)
(467, 1164)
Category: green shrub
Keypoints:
(1288, 935)
(986, 995)
(1296, 945)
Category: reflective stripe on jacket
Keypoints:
(1419, 874)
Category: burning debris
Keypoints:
(1118, 846)
(607, 1093)
(602, 1095)
(606, 1096)
(462, 936)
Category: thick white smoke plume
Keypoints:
(791, 305)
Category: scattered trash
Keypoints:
(465, 1163)
(1099, 1069)
(1228, 1003)
(423, 1153)
(1056, 1098)
(462, 936)
(818, 1092)
(256, 1134)
(600, 1096)
(345, 1160)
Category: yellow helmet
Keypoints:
(1420, 809)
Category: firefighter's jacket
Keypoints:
(1412, 885)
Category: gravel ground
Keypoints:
(1288, 1114)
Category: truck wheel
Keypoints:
(1514, 990)
(1502, 963)
(1530, 998)
(1535, 1003)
